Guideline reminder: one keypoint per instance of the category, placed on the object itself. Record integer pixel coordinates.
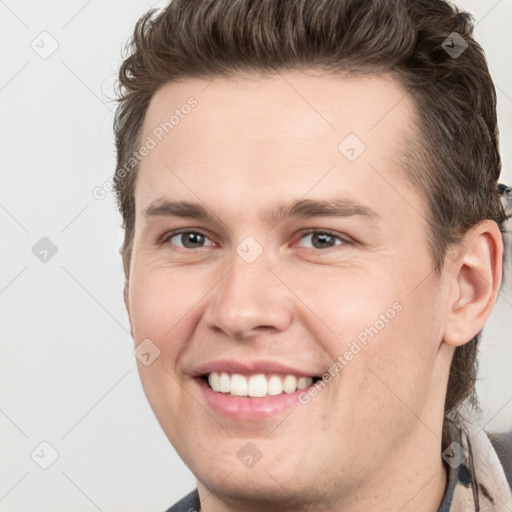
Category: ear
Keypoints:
(474, 277)
(126, 294)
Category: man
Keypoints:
(313, 245)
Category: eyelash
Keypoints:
(167, 236)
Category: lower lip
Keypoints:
(249, 408)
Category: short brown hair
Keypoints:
(456, 159)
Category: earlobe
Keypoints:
(476, 278)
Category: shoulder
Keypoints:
(190, 503)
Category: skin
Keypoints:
(371, 438)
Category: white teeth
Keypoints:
(303, 382)
(213, 380)
(274, 386)
(290, 384)
(238, 385)
(225, 383)
(256, 385)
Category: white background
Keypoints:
(68, 374)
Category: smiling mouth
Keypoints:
(257, 385)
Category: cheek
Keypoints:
(159, 299)
(161, 305)
(396, 366)
(383, 389)
(161, 310)
(386, 341)
(347, 305)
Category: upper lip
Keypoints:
(249, 368)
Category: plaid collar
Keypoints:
(476, 480)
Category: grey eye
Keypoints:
(189, 239)
(322, 240)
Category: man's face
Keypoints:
(251, 294)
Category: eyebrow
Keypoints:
(301, 208)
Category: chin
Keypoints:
(258, 487)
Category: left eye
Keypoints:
(323, 239)
(189, 239)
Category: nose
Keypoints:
(249, 300)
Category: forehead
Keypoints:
(323, 104)
(273, 133)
